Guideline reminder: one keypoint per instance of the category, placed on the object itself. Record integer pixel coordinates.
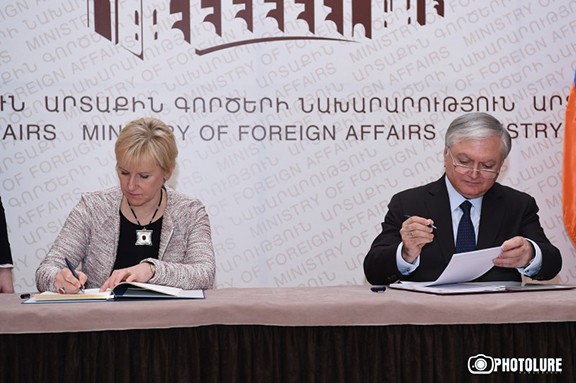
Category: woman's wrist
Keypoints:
(152, 269)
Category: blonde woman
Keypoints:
(140, 231)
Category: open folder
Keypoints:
(465, 267)
(124, 290)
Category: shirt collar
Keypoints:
(456, 198)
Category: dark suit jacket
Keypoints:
(506, 213)
(5, 254)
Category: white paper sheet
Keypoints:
(465, 267)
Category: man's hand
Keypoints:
(516, 252)
(416, 232)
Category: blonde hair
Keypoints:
(147, 139)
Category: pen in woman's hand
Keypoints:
(74, 273)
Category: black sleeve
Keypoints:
(380, 266)
(5, 253)
(531, 229)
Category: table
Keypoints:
(323, 334)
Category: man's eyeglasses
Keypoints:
(464, 169)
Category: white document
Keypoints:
(465, 267)
(477, 287)
(456, 288)
(124, 290)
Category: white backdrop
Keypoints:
(296, 137)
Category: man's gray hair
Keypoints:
(478, 126)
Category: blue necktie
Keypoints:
(466, 238)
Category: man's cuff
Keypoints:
(535, 264)
(404, 267)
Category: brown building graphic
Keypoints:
(131, 23)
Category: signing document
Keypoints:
(124, 290)
(465, 267)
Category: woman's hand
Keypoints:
(66, 283)
(138, 273)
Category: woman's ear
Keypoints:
(167, 175)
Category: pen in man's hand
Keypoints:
(74, 273)
(409, 216)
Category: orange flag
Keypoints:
(569, 167)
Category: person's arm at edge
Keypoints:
(6, 281)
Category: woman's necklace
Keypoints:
(143, 236)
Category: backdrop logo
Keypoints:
(129, 23)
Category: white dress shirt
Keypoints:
(456, 199)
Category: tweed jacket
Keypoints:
(91, 232)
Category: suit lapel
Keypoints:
(439, 207)
(490, 218)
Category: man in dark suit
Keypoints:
(6, 285)
(421, 229)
